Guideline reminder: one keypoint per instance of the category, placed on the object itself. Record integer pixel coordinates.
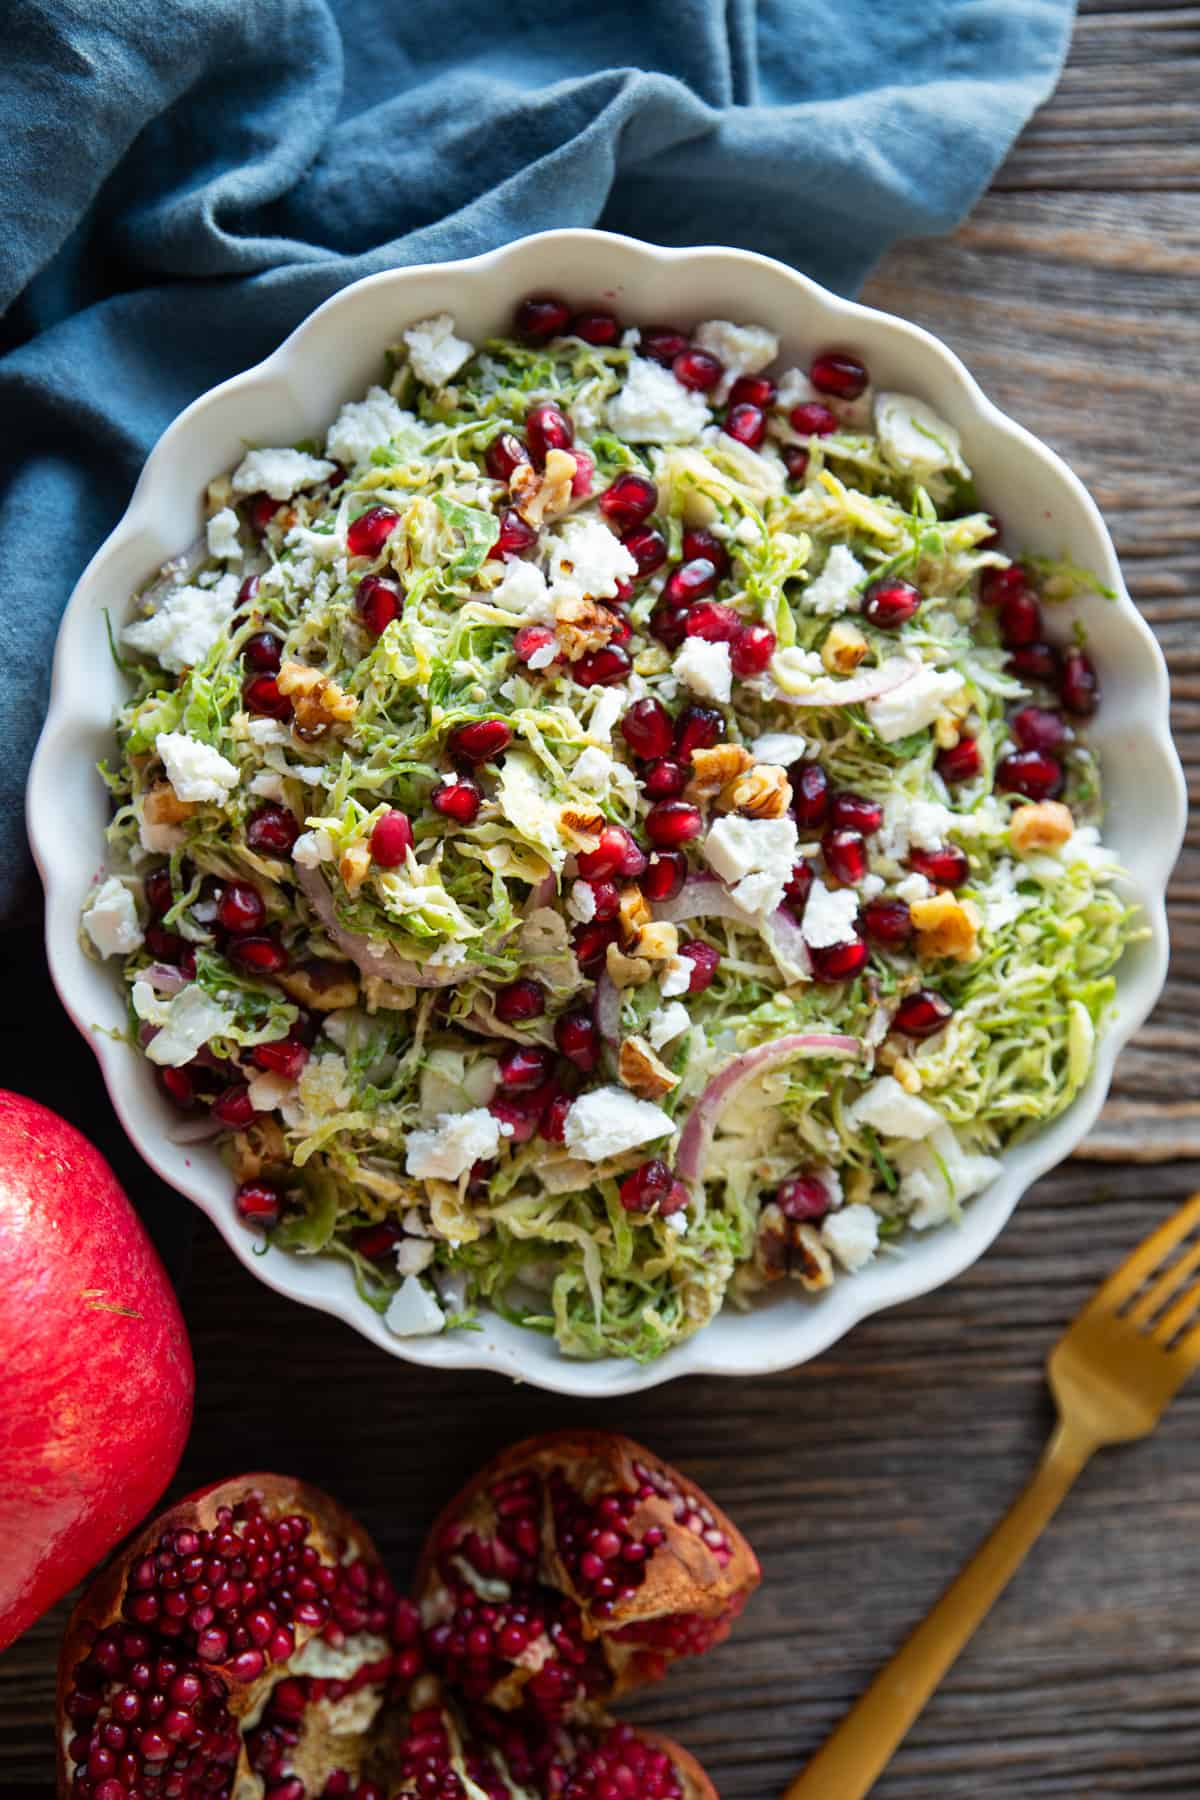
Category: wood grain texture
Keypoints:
(866, 1479)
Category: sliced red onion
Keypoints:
(704, 896)
(608, 1009)
(702, 1120)
(164, 978)
(872, 684)
(544, 894)
(362, 950)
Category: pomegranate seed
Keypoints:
(836, 372)
(578, 1039)
(610, 855)
(845, 856)
(998, 585)
(547, 428)
(391, 839)
(596, 327)
(697, 369)
(961, 762)
(795, 461)
(810, 794)
(1020, 620)
(258, 1203)
(602, 668)
(260, 955)
(1037, 728)
(283, 1057)
(747, 424)
(699, 542)
(591, 943)
(804, 1197)
(665, 875)
(838, 962)
(853, 812)
(705, 962)
(670, 823)
(1035, 662)
(645, 1186)
(1034, 773)
(890, 604)
(164, 945)
(553, 1122)
(378, 601)
(262, 510)
(520, 1000)
(919, 1015)
(1078, 685)
(262, 696)
(515, 537)
(647, 547)
(178, 1084)
(622, 629)
(540, 317)
(633, 863)
(459, 800)
(715, 623)
(662, 343)
(531, 642)
(504, 455)
(887, 921)
(647, 729)
(240, 908)
(664, 779)
(994, 535)
(248, 591)
(753, 390)
(234, 1107)
(669, 625)
(752, 649)
(813, 419)
(479, 741)
(697, 728)
(371, 531)
(263, 651)
(946, 867)
(629, 500)
(799, 885)
(160, 896)
(585, 473)
(525, 1066)
(272, 828)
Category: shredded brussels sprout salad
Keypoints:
(608, 830)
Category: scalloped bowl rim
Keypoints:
(783, 1330)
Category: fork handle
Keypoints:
(855, 1755)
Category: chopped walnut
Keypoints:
(712, 769)
(657, 942)
(218, 495)
(1042, 826)
(784, 1246)
(946, 926)
(583, 625)
(581, 829)
(323, 985)
(642, 1071)
(162, 805)
(633, 911)
(546, 496)
(354, 865)
(626, 971)
(844, 648)
(763, 792)
(318, 702)
(258, 1146)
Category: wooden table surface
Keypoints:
(866, 1479)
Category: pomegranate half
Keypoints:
(97, 1369)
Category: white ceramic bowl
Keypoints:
(293, 395)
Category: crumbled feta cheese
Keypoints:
(186, 626)
(914, 438)
(757, 855)
(676, 978)
(1001, 902)
(279, 473)
(914, 887)
(654, 408)
(886, 1107)
(667, 1023)
(837, 589)
(194, 769)
(524, 591)
(936, 1175)
(312, 848)
(795, 389)
(266, 785)
(187, 1023)
(222, 536)
(588, 560)
(870, 887)
(414, 1255)
(456, 1141)
(111, 919)
(779, 747)
(434, 353)
(318, 547)
(267, 731)
(593, 769)
(742, 349)
(413, 1311)
(852, 1234)
(829, 916)
(581, 903)
(705, 667)
(606, 1121)
(366, 425)
(914, 704)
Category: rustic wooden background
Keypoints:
(866, 1479)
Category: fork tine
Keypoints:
(1187, 1350)
(1176, 1317)
(1124, 1282)
(1157, 1295)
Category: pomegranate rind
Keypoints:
(335, 1534)
(683, 1576)
(693, 1779)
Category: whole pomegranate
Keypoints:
(97, 1369)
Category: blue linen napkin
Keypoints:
(182, 181)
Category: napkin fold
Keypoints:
(182, 181)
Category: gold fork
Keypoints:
(1112, 1375)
